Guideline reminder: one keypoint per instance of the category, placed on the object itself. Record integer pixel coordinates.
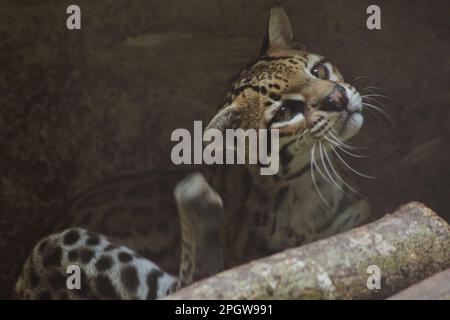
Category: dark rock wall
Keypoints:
(79, 107)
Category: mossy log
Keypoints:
(407, 246)
(436, 287)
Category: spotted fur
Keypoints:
(286, 88)
(107, 270)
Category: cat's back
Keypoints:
(137, 210)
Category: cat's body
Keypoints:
(260, 213)
(290, 90)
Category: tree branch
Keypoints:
(407, 246)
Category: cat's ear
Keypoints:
(226, 118)
(279, 33)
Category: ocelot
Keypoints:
(131, 236)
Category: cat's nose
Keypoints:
(336, 101)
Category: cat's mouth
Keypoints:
(350, 125)
(344, 127)
(350, 120)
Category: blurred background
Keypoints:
(81, 107)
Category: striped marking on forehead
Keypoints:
(266, 75)
(265, 67)
(294, 60)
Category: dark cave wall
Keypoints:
(81, 107)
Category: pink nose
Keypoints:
(336, 101)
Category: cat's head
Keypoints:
(297, 92)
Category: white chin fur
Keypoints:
(352, 125)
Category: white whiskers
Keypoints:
(312, 166)
(300, 136)
(332, 180)
(350, 167)
(327, 170)
(338, 144)
(371, 103)
(332, 145)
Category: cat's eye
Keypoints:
(320, 71)
(288, 110)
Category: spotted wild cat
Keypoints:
(192, 234)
